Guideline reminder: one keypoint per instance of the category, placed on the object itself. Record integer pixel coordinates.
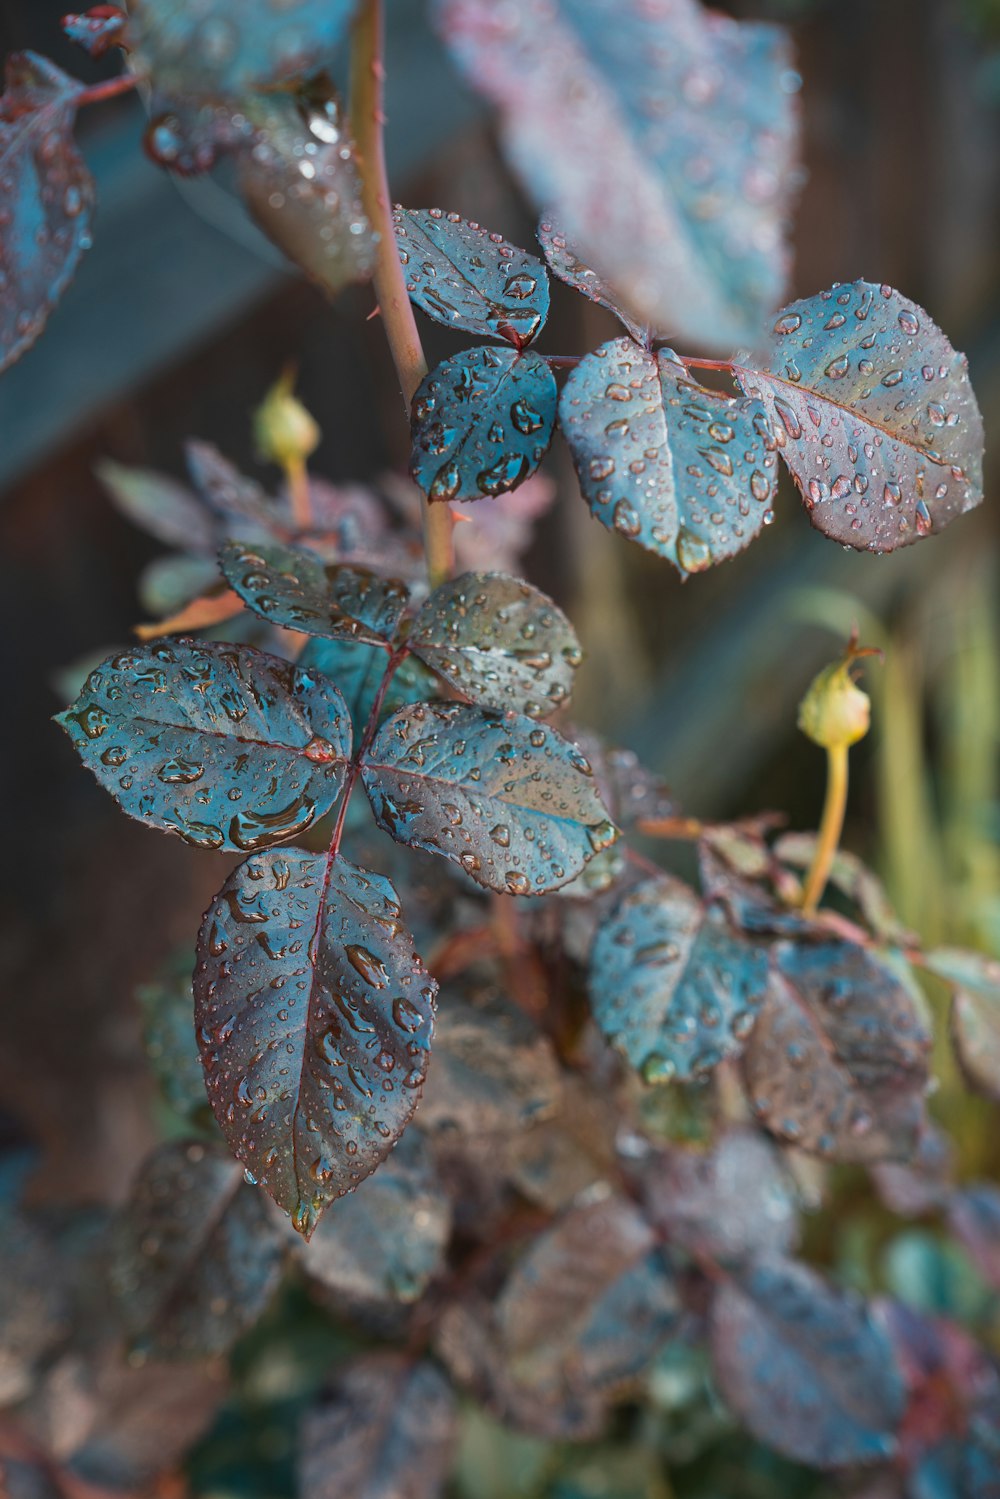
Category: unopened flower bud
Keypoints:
(285, 431)
(835, 713)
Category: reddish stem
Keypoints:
(111, 88)
(354, 770)
(726, 365)
(562, 361)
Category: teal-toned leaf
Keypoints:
(168, 583)
(511, 802)
(221, 744)
(357, 668)
(387, 1428)
(300, 591)
(197, 1257)
(874, 415)
(201, 49)
(167, 1007)
(805, 1366)
(314, 1019)
(838, 1060)
(481, 422)
(499, 642)
(96, 30)
(671, 985)
(160, 505)
(46, 198)
(684, 471)
(568, 266)
(469, 279)
(975, 1013)
(661, 137)
(233, 496)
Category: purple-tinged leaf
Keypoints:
(852, 878)
(202, 49)
(837, 1063)
(197, 1256)
(299, 179)
(570, 268)
(737, 869)
(499, 642)
(314, 1019)
(731, 1201)
(221, 744)
(467, 278)
(386, 1431)
(874, 416)
(298, 590)
(922, 1184)
(357, 668)
(503, 531)
(481, 422)
(381, 1246)
(160, 505)
(35, 1309)
(974, 1216)
(512, 802)
(232, 495)
(660, 136)
(975, 1013)
(98, 29)
(671, 985)
(46, 198)
(805, 1366)
(981, 1458)
(686, 472)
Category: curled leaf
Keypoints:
(570, 268)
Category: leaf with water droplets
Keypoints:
(671, 985)
(837, 1062)
(874, 416)
(299, 179)
(167, 1008)
(314, 1019)
(481, 422)
(299, 590)
(661, 136)
(805, 1366)
(511, 802)
(196, 1256)
(357, 668)
(467, 278)
(855, 880)
(96, 30)
(568, 266)
(221, 744)
(975, 1013)
(160, 505)
(684, 471)
(236, 500)
(387, 1428)
(46, 198)
(499, 643)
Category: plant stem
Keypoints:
(298, 492)
(110, 89)
(368, 121)
(707, 364)
(830, 828)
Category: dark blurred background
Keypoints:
(180, 319)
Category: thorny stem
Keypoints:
(368, 121)
(297, 475)
(830, 828)
(110, 89)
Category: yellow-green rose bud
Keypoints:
(285, 431)
(835, 713)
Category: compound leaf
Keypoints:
(314, 1019)
(570, 268)
(196, 1257)
(221, 744)
(499, 643)
(874, 416)
(805, 1366)
(46, 198)
(467, 278)
(388, 1428)
(671, 985)
(481, 422)
(975, 1013)
(357, 667)
(837, 1062)
(511, 802)
(686, 472)
(298, 590)
(662, 138)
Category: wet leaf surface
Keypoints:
(357, 667)
(197, 1257)
(736, 868)
(231, 495)
(314, 1019)
(510, 801)
(481, 422)
(975, 1014)
(661, 137)
(46, 198)
(837, 1062)
(160, 505)
(805, 1366)
(167, 1007)
(922, 1184)
(499, 642)
(465, 277)
(298, 590)
(388, 1428)
(874, 416)
(855, 880)
(221, 744)
(96, 30)
(671, 985)
(570, 268)
(686, 472)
